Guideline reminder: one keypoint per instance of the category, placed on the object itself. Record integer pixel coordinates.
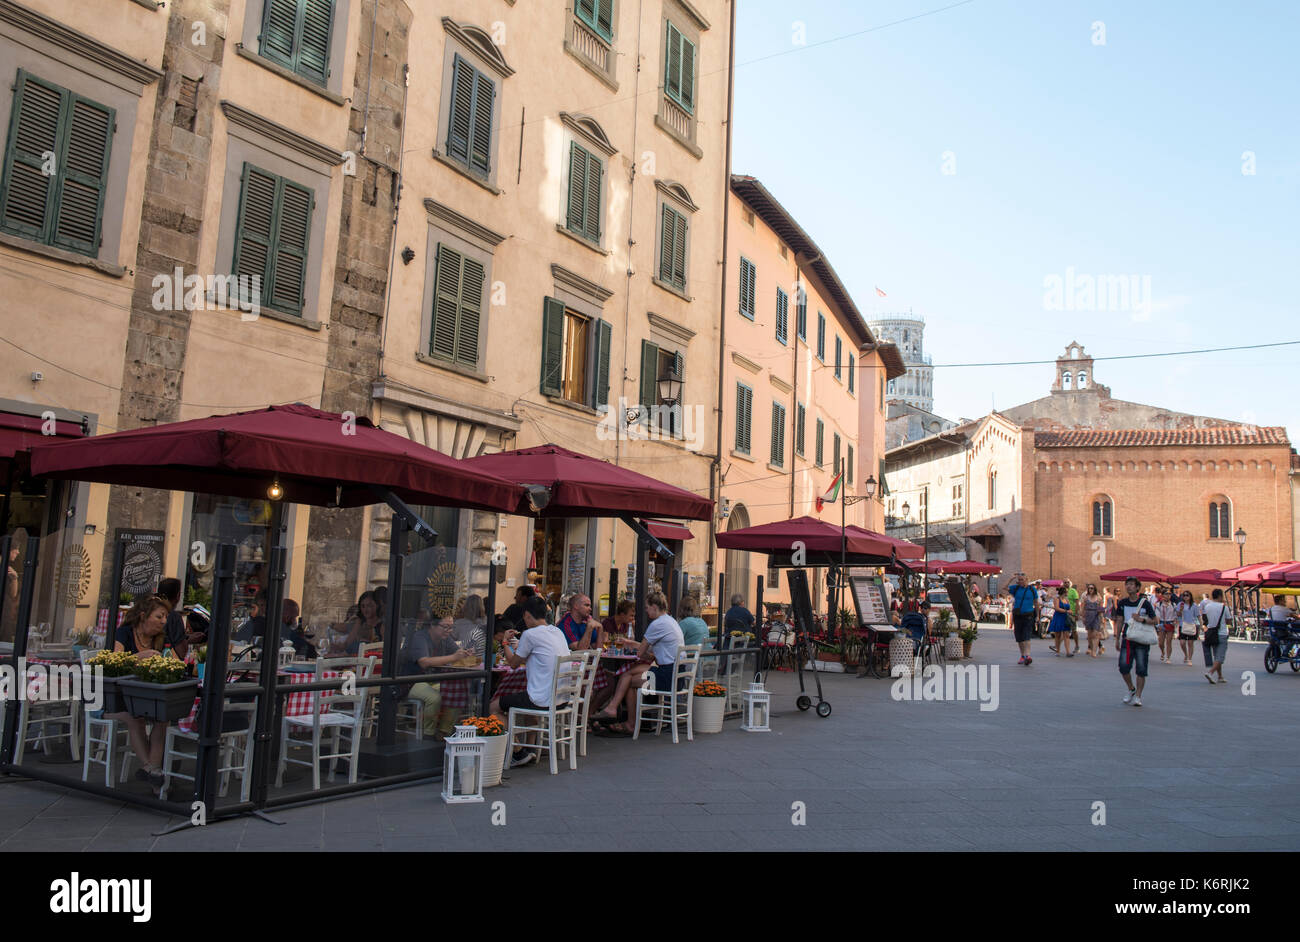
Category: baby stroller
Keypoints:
(1283, 645)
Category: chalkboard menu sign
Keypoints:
(960, 600)
(576, 578)
(800, 601)
(139, 560)
(869, 598)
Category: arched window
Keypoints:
(1083, 380)
(1103, 511)
(1220, 518)
(993, 488)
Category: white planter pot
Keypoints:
(952, 647)
(900, 655)
(707, 714)
(494, 758)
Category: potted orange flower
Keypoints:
(709, 707)
(493, 731)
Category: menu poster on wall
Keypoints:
(869, 598)
(576, 579)
(139, 555)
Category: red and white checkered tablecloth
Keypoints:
(455, 693)
(297, 704)
(101, 623)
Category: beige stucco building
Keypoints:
(481, 228)
(803, 382)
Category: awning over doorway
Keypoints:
(21, 432)
(667, 530)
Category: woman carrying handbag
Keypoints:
(1135, 632)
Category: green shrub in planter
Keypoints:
(159, 691)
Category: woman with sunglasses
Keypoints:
(1092, 606)
(1189, 625)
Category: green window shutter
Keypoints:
(852, 371)
(460, 125)
(801, 315)
(28, 196)
(880, 476)
(292, 232)
(604, 340)
(649, 374)
(254, 230)
(679, 251)
(314, 40)
(446, 303)
(679, 69)
(667, 232)
(279, 27)
(480, 151)
(83, 175)
(820, 443)
(583, 215)
(473, 276)
(839, 352)
(744, 417)
(552, 346)
(850, 465)
(599, 15)
(835, 451)
(778, 435)
(782, 315)
(748, 276)
(821, 336)
(800, 417)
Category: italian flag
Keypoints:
(832, 493)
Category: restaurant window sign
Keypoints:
(139, 559)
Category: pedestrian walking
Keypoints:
(1107, 619)
(1167, 616)
(1214, 615)
(1092, 609)
(1060, 627)
(1189, 625)
(1135, 632)
(1024, 613)
(1072, 596)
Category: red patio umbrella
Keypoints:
(1251, 572)
(1200, 577)
(904, 548)
(817, 536)
(963, 567)
(1142, 575)
(317, 458)
(582, 486)
(1283, 574)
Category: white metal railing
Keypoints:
(591, 45)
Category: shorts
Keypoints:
(663, 676)
(1133, 656)
(1216, 652)
(1167, 626)
(1024, 625)
(518, 701)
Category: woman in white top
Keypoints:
(1189, 625)
(658, 653)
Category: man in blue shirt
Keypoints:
(1024, 614)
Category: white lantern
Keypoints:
(756, 708)
(462, 766)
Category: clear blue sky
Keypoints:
(1123, 158)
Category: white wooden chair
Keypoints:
(671, 706)
(102, 739)
(53, 720)
(332, 715)
(582, 709)
(235, 741)
(557, 726)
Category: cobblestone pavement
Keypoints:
(1197, 768)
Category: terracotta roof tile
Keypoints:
(1121, 438)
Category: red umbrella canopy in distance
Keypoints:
(316, 457)
(1141, 575)
(582, 486)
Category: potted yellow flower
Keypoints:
(493, 733)
(709, 707)
(110, 666)
(159, 690)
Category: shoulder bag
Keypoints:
(1140, 632)
(1212, 634)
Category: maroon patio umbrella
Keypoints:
(1283, 574)
(817, 536)
(904, 548)
(963, 567)
(316, 457)
(1251, 572)
(1142, 575)
(582, 486)
(1200, 577)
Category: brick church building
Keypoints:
(1110, 484)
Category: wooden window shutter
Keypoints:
(687, 99)
(800, 418)
(801, 315)
(279, 27)
(880, 476)
(83, 175)
(679, 251)
(446, 303)
(29, 194)
(839, 352)
(820, 444)
(292, 234)
(480, 151)
(821, 336)
(473, 276)
(591, 204)
(649, 374)
(605, 18)
(313, 59)
(744, 417)
(604, 340)
(782, 315)
(853, 367)
(673, 63)
(835, 450)
(583, 215)
(778, 435)
(460, 124)
(255, 228)
(552, 346)
(850, 465)
(667, 231)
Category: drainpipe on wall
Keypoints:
(715, 471)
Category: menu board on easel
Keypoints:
(576, 576)
(869, 598)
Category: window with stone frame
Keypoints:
(1220, 518)
(1103, 516)
(589, 37)
(296, 34)
(575, 355)
(678, 105)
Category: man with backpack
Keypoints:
(1025, 607)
